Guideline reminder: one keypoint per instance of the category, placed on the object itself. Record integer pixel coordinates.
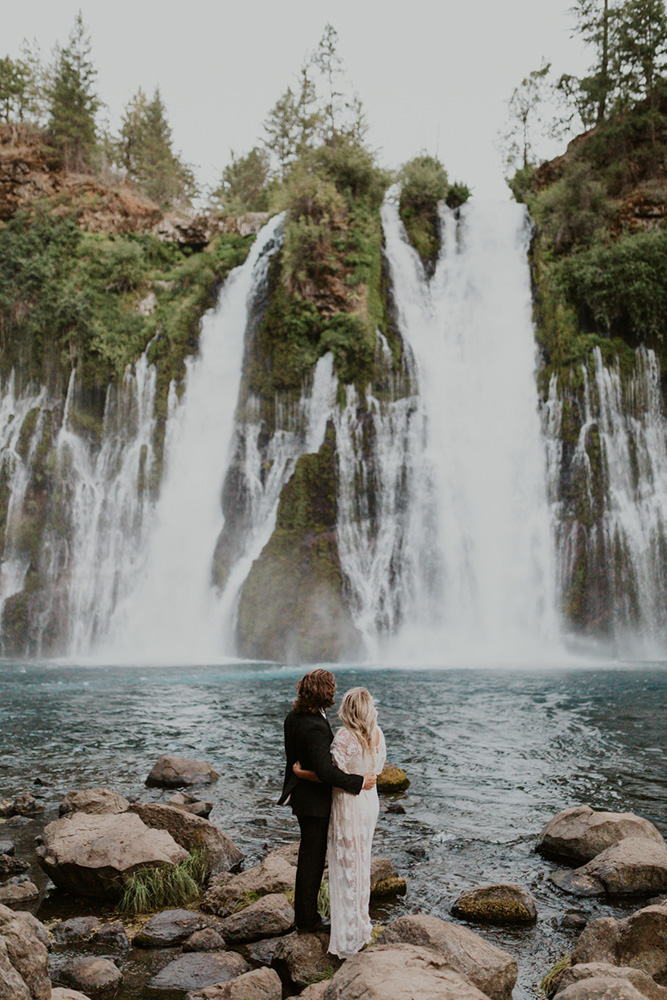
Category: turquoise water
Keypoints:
(492, 754)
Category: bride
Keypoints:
(358, 747)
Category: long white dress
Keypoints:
(350, 838)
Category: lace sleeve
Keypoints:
(343, 749)
(380, 753)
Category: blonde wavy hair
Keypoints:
(359, 714)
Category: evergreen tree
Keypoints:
(525, 117)
(243, 185)
(641, 47)
(73, 102)
(145, 151)
(14, 90)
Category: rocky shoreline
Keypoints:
(236, 940)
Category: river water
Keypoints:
(492, 754)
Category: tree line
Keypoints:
(628, 41)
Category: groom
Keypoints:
(308, 738)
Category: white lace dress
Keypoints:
(351, 828)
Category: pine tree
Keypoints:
(73, 102)
(145, 151)
(243, 185)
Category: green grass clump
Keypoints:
(549, 984)
(166, 887)
(324, 900)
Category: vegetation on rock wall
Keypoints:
(424, 185)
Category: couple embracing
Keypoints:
(330, 785)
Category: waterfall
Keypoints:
(611, 511)
(464, 532)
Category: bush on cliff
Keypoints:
(424, 184)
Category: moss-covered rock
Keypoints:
(496, 904)
(292, 605)
(392, 779)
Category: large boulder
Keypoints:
(23, 959)
(601, 988)
(192, 833)
(399, 972)
(496, 904)
(93, 800)
(170, 771)
(170, 928)
(260, 984)
(391, 779)
(196, 970)
(580, 833)
(92, 974)
(65, 993)
(301, 959)
(91, 855)
(639, 940)
(490, 969)
(594, 971)
(266, 917)
(636, 866)
(225, 895)
(18, 895)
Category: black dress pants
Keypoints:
(310, 867)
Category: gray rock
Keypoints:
(642, 982)
(260, 984)
(399, 972)
(581, 833)
(65, 993)
(302, 959)
(76, 930)
(19, 895)
(207, 939)
(601, 988)
(95, 801)
(170, 771)
(7, 808)
(92, 974)
(225, 894)
(10, 866)
(25, 804)
(481, 963)
(633, 867)
(36, 927)
(7, 847)
(23, 959)
(113, 935)
(496, 904)
(197, 970)
(170, 928)
(315, 991)
(192, 833)
(639, 940)
(385, 880)
(89, 855)
(270, 915)
(262, 952)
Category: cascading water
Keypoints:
(467, 545)
(612, 528)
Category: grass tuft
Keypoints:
(549, 984)
(166, 887)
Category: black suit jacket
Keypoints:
(308, 739)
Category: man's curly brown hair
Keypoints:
(315, 690)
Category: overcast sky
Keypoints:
(433, 76)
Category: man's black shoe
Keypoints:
(321, 927)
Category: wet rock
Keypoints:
(392, 779)
(89, 855)
(573, 920)
(18, 896)
(170, 771)
(225, 894)
(592, 972)
(496, 904)
(262, 952)
(396, 807)
(170, 928)
(301, 959)
(490, 969)
(385, 880)
(7, 847)
(400, 972)
(639, 940)
(7, 808)
(197, 970)
(198, 807)
(92, 974)
(633, 867)
(315, 991)
(27, 805)
(77, 930)
(95, 801)
(113, 935)
(207, 939)
(581, 833)
(10, 866)
(270, 915)
(23, 959)
(192, 833)
(260, 984)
